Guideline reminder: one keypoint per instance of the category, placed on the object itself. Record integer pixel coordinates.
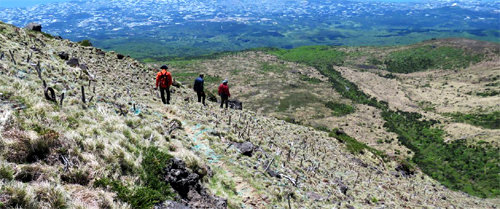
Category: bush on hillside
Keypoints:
(85, 42)
(427, 57)
(340, 109)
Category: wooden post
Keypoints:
(268, 165)
(12, 57)
(289, 204)
(83, 94)
(39, 70)
(62, 98)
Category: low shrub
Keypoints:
(6, 172)
(85, 42)
(76, 177)
(340, 109)
(485, 120)
(153, 188)
(354, 146)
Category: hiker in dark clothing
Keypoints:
(198, 88)
(164, 80)
(224, 94)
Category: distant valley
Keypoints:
(162, 30)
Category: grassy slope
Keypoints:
(456, 165)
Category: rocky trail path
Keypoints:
(198, 135)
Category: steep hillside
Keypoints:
(415, 111)
(290, 91)
(110, 143)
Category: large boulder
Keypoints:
(63, 55)
(73, 62)
(34, 27)
(187, 184)
(246, 149)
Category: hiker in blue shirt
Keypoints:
(198, 87)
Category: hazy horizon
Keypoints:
(29, 3)
(25, 3)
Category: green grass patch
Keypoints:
(310, 79)
(427, 106)
(85, 43)
(324, 58)
(340, 109)
(182, 64)
(6, 172)
(485, 120)
(297, 100)
(427, 57)
(374, 61)
(488, 93)
(353, 145)
(270, 67)
(47, 35)
(312, 55)
(153, 188)
(188, 77)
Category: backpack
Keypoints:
(164, 79)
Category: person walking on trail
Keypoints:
(199, 89)
(164, 80)
(224, 93)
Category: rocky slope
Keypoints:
(119, 147)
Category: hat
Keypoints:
(224, 81)
(164, 67)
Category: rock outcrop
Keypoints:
(73, 62)
(187, 184)
(246, 148)
(34, 27)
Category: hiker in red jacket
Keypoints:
(164, 80)
(224, 93)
